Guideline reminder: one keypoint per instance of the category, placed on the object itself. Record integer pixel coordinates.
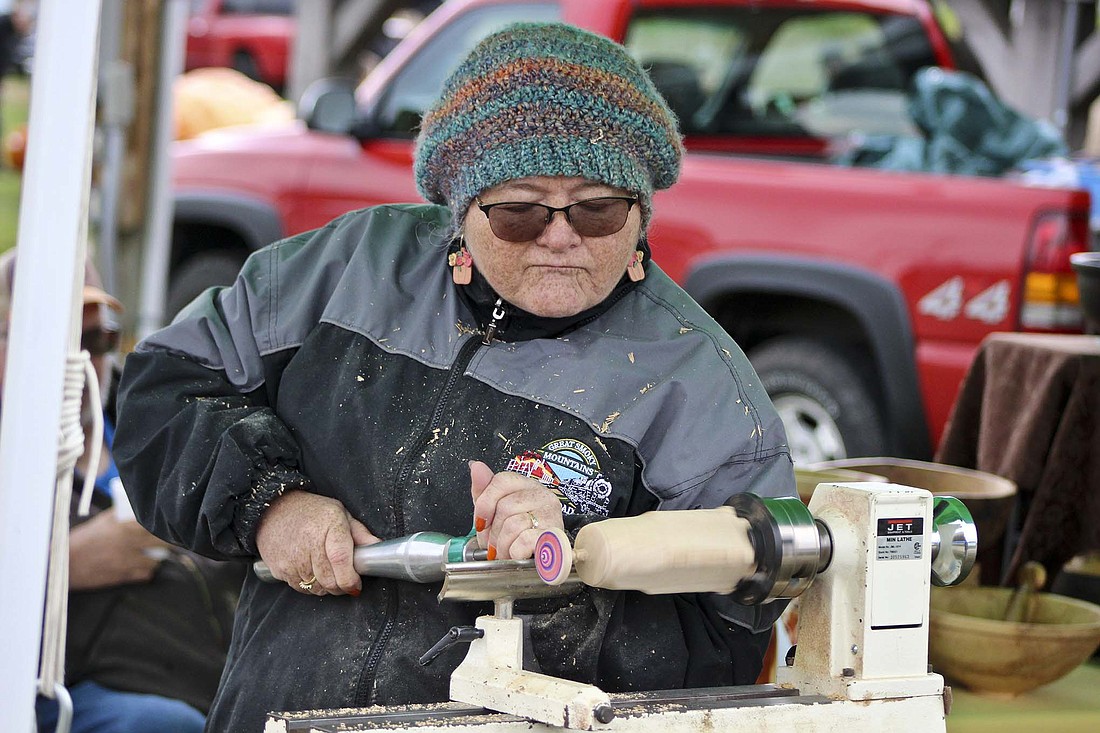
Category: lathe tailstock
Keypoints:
(862, 556)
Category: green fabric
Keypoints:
(965, 128)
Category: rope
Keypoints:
(79, 373)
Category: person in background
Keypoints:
(508, 357)
(148, 626)
(15, 22)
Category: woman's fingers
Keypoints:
(321, 568)
(360, 535)
(340, 549)
(508, 508)
(480, 478)
(521, 531)
(308, 541)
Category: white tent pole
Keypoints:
(158, 221)
(45, 319)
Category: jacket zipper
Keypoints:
(365, 690)
(494, 323)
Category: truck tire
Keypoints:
(245, 62)
(197, 273)
(826, 406)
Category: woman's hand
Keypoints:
(105, 552)
(511, 511)
(308, 541)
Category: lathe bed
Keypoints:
(748, 707)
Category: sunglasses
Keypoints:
(521, 221)
(99, 341)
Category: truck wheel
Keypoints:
(196, 274)
(826, 406)
(245, 63)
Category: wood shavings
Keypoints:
(648, 387)
(463, 329)
(685, 329)
(606, 427)
(360, 378)
(727, 353)
(435, 435)
(578, 391)
(600, 442)
(507, 441)
(631, 357)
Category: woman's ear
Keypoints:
(634, 270)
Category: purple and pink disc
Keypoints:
(553, 556)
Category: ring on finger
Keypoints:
(307, 584)
(534, 520)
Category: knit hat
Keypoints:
(546, 99)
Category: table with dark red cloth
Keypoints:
(1029, 410)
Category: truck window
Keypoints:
(794, 73)
(417, 85)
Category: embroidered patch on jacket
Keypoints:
(570, 469)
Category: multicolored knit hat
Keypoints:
(546, 99)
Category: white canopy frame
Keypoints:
(44, 329)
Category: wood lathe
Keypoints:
(862, 557)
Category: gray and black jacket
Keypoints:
(345, 362)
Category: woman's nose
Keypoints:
(559, 233)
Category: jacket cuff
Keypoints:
(269, 486)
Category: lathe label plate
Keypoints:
(900, 538)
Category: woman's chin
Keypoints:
(553, 308)
(559, 299)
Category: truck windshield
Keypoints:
(794, 73)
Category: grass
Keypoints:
(14, 95)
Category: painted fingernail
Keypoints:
(355, 593)
(492, 554)
(479, 524)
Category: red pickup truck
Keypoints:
(251, 36)
(860, 295)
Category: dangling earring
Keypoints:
(462, 265)
(634, 270)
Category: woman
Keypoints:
(362, 382)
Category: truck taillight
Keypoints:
(1050, 299)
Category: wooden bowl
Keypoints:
(989, 498)
(970, 644)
